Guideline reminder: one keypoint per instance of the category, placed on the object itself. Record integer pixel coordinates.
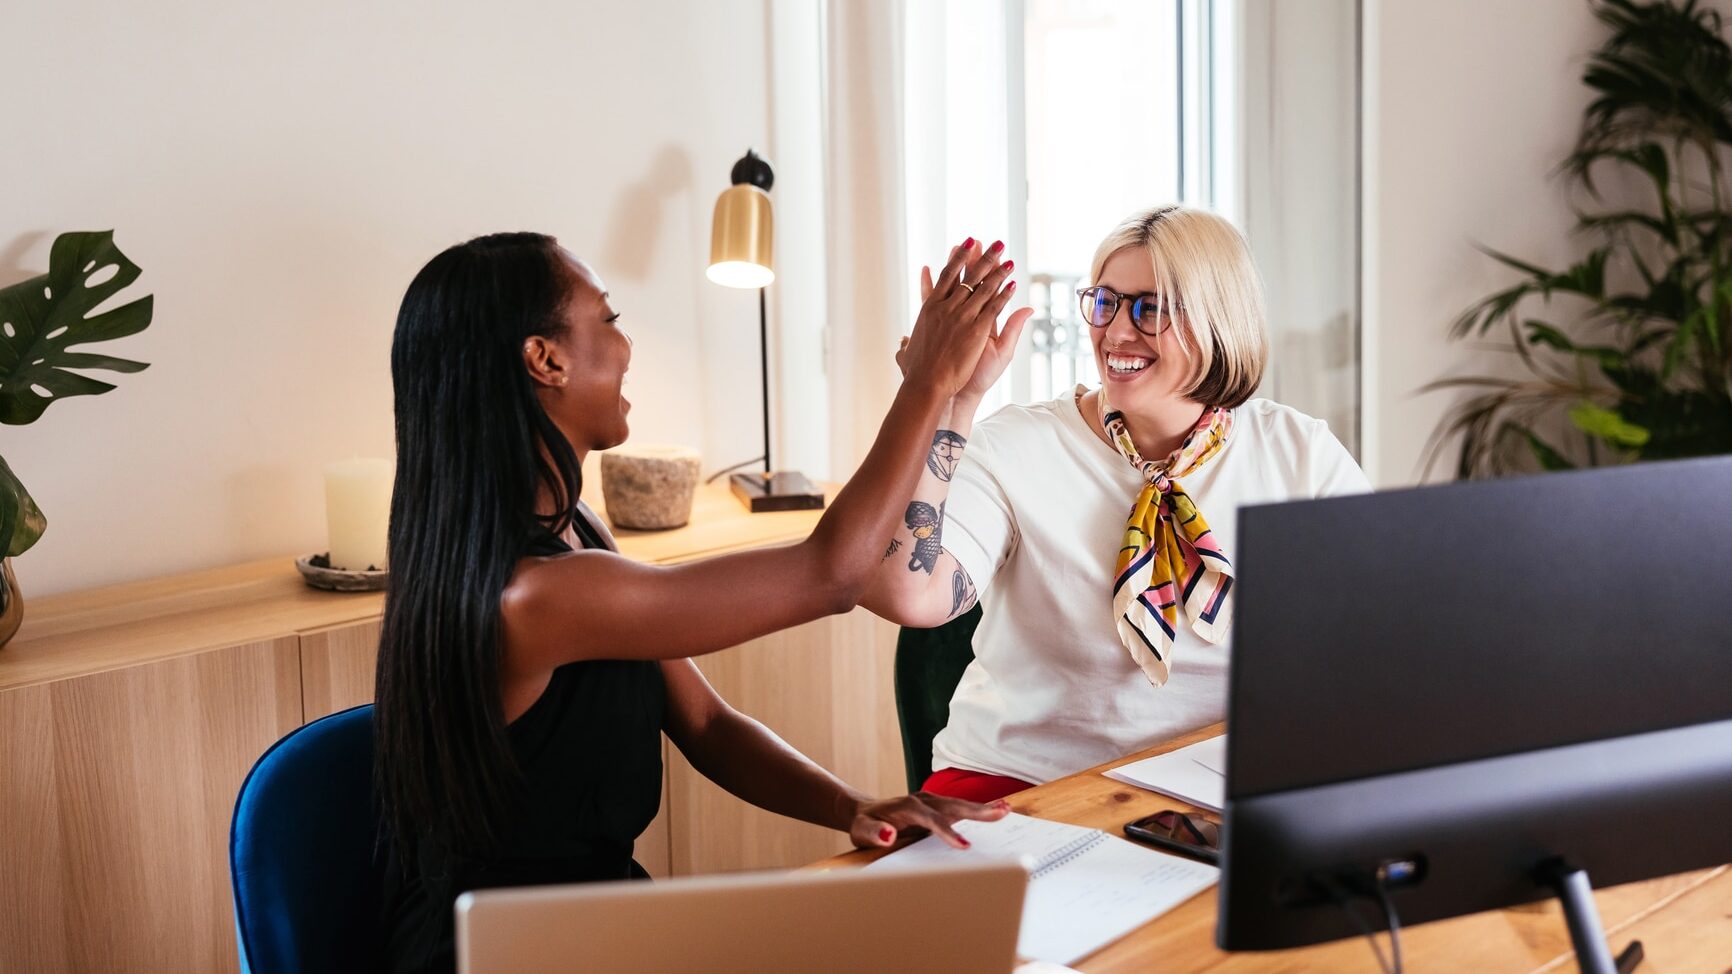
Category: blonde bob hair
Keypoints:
(1203, 266)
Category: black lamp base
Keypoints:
(783, 490)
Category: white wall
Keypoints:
(1469, 107)
(280, 172)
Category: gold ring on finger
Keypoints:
(965, 284)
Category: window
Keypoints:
(1100, 108)
(1044, 122)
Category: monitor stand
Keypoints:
(1593, 955)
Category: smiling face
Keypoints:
(1141, 373)
(579, 371)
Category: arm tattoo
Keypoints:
(961, 592)
(895, 545)
(945, 454)
(927, 523)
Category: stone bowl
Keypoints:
(316, 571)
(649, 488)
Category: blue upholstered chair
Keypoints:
(304, 852)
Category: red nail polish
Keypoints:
(966, 844)
(886, 834)
(1010, 265)
(1011, 288)
(968, 243)
(997, 245)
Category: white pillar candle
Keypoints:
(357, 510)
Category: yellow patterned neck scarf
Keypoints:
(1170, 558)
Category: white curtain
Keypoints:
(866, 258)
(1299, 191)
(910, 112)
(916, 124)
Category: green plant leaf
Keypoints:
(1604, 424)
(21, 521)
(1683, 423)
(1720, 298)
(1532, 270)
(1540, 333)
(1666, 230)
(1549, 458)
(1658, 284)
(1482, 316)
(42, 318)
(1684, 340)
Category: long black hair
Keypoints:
(473, 445)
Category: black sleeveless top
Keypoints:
(590, 753)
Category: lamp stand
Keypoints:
(772, 490)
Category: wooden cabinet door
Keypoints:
(824, 687)
(337, 667)
(116, 791)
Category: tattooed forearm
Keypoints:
(895, 546)
(945, 454)
(927, 524)
(961, 592)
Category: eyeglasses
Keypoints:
(1150, 314)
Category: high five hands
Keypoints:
(968, 295)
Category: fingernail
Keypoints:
(1010, 265)
(886, 834)
(997, 245)
(966, 843)
(968, 243)
(1011, 288)
(1001, 803)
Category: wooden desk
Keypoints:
(1684, 921)
(129, 716)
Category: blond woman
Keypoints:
(1103, 634)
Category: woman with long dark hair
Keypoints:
(527, 670)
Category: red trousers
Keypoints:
(974, 786)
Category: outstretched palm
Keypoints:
(994, 357)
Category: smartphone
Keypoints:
(1190, 834)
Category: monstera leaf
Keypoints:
(43, 318)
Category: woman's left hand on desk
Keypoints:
(877, 824)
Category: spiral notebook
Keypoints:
(1086, 888)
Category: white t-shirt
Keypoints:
(1035, 515)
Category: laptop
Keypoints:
(948, 920)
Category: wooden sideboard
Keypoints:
(129, 716)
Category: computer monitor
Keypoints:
(956, 919)
(1487, 690)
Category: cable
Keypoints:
(1345, 900)
(1389, 915)
(743, 463)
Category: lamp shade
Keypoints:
(741, 238)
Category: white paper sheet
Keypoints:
(1211, 754)
(1196, 774)
(1087, 888)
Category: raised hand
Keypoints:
(957, 319)
(1001, 343)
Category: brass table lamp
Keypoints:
(741, 238)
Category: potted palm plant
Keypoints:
(1627, 352)
(41, 320)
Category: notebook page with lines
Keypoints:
(1087, 888)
